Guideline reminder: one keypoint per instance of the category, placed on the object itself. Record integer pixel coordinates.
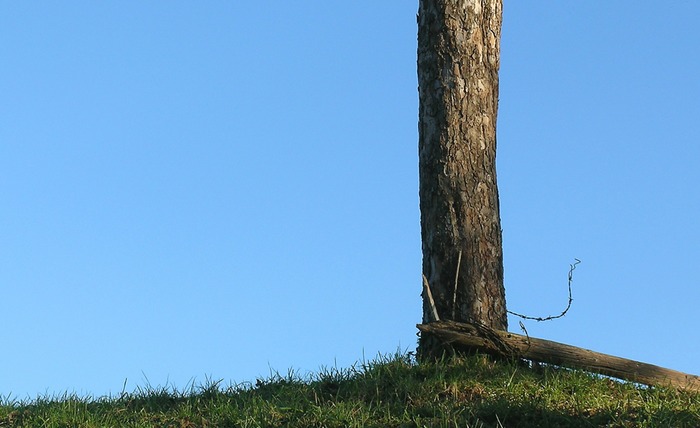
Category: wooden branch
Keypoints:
(426, 285)
(545, 351)
(454, 296)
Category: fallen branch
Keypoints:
(545, 351)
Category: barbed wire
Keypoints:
(572, 268)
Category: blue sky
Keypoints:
(222, 189)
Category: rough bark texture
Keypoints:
(458, 61)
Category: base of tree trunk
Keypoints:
(511, 345)
(433, 348)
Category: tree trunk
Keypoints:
(458, 61)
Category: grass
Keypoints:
(392, 391)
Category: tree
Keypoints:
(458, 62)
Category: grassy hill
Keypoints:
(391, 391)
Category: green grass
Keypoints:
(394, 391)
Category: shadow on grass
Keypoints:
(504, 413)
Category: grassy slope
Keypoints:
(390, 392)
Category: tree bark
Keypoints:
(458, 61)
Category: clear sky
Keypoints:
(195, 190)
